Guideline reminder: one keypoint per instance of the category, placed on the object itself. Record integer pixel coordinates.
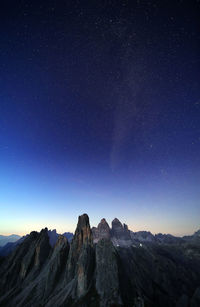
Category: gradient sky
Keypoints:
(100, 113)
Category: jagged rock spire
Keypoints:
(119, 231)
(101, 231)
(81, 256)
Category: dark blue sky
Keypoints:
(100, 113)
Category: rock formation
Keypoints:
(110, 269)
(101, 231)
(107, 276)
(120, 234)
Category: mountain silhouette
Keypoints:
(102, 266)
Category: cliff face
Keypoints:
(118, 234)
(26, 260)
(81, 257)
(88, 274)
(102, 231)
(107, 275)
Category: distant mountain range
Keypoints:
(103, 230)
(101, 267)
(120, 235)
(6, 239)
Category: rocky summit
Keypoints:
(118, 234)
(101, 267)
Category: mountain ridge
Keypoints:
(106, 272)
(10, 238)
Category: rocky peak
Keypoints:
(42, 248)
(28, 258)
(80, 262)
(119, 233)
(103, 221)
(104, 228)
(83, 233)
(101, 231)
(116, 224)
(83, 274)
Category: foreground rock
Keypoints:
(107, 275)
(101, 271)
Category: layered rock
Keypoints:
(102, 231)
(107, 276)
(81, 258)
(40, 288)
(117, 228)
(84, 274)
(56, 265)
(120, 234)
(79, 269)
(26, 261)
(53, 236)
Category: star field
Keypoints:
(99, 112)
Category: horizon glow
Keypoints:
(99, 114)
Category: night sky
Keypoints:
(100, 113)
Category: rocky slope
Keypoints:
(101, 266)
(53, 237)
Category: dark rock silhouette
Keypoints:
(107, 276)
(53, 236)
(116, 267)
